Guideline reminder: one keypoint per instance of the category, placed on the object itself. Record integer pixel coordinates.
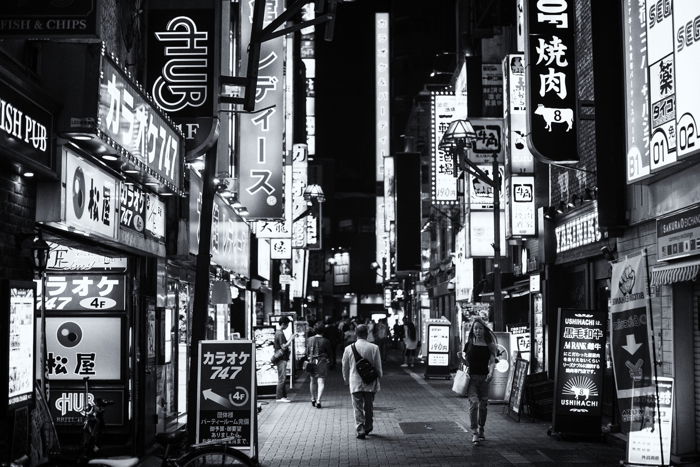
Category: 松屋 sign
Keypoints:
(131, 121)
(550, 66)
(445, 108)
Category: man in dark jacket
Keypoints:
(281, 343)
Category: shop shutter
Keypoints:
(696, 353)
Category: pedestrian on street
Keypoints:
(410, 341)
(382, 332)
(362, 394)
(480, 356)
(319, 349)
(281, 343)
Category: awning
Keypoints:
(676, 272)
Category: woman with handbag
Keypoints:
(480, 356)
(318, 350)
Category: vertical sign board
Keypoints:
(445, 108)
(518, 157)
(637, 92)
(515, 400)
(630, 336)
(550, 65)
(226, 398)
(644, 446)
(678, 234)
(501, 373)
(266, 372)
(522, 206)
(300, 179)
(18, 346)
(488, 140)
(481, 194)
(580, 366)
(261, 134)
(438, 348)
(686, 59)
(181, 64)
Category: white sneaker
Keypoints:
(405, 365)
(284, 399)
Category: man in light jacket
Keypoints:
(362, 394)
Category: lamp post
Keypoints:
(457, 139)
(40, 259)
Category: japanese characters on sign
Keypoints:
(522, 205)
(130, 120)
(91, 197)
(80, 346)
(299, 183)
(230, 236)
(132, 207)
(226, 393)
(438, 344)
(518, 156)
(487, 141)
(445, 108)
(464, 267)
(183, 39)
(551, 80)
(637, 92)
(481, 194)
(654, 415)
(678, 235)
(381, 84)
(20, 343)
(580, 363)
(261, 144)
(82, 292)
(492, 86)
(686, 58)
(283, 228)
(579, 231)
(280, 248)
(155, 217)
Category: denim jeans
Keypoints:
(363, 403)
(281, 379)
(478, 393)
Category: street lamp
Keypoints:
(457, 139)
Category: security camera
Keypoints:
(607, 253)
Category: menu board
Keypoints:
(21, 345)
(438, 348)
(644, 446)
(264, 337)
(578, 382)
(517, 388)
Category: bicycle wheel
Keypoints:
(214, 455)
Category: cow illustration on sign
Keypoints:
(553, 115)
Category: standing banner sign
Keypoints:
(438, 348)
(266, 372)
(578, 381)
(517, 387)
(645, 446)
(498, 389)
(226, 398)
(630, 336)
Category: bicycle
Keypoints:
(206, 454)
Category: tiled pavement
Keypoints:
(298, 434)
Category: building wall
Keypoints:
(17, 208)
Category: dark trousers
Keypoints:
(363, 403)
(282, 379)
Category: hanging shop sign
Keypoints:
(300, 180)
(132, 207)
(518, 156)
(129, 120)
(630, 335)
(464, 267)
(578, 381)
(438, 333)
(282, 228)
(488, 140)
(313, 227)
(230, 235)
(381, 85)
(91, 197)
(280, 248)
(78, 346)
(481, 231)
(266, 372)
(341, 269)
(26, 127)
(637, 116)
(646, 446)
(261, 134)
(17, 338)
(155, 217)
(67, 403)
(226, 393)
(76, 18)
(550, 65)
(85, 292)
(181, 62)
(678, 235)
(65, 258)
(522, 213)
(300, 268)
(481, 194)
(492, 89)
(444, 109)
(577, 232)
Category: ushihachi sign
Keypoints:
(21, 18)
(550, 65)
(678, 235)
(226, 397)
(181, 58)
(578, 381)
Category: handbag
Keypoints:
(461, 382)
(309, 366)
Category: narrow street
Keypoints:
(418, 422)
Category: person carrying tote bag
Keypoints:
(461, 381)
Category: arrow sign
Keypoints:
(632, 345)
(214, 397)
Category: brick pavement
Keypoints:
(298, 434)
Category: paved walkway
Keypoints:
(418, 422)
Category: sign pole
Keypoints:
(497, 299)
(653, 346)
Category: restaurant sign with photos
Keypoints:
(550, 65)
(17, 336)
